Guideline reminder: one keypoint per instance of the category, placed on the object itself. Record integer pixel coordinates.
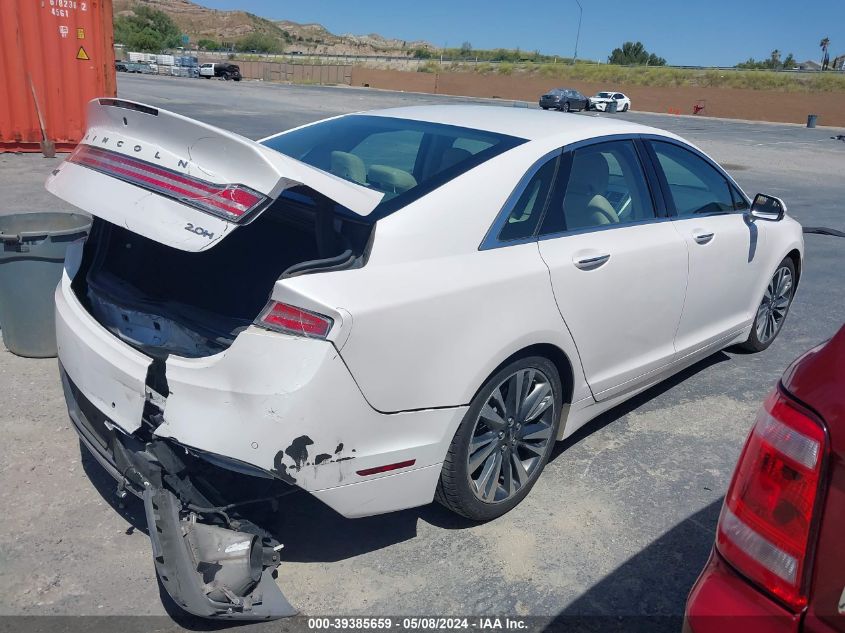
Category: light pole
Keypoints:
(578, 34)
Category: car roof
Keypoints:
(528, 123)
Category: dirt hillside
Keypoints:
(200, 22)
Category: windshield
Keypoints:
(401, 158)
(603, 95)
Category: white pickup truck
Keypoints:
(224, 70)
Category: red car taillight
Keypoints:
(766, 523)
(289, 319)
(230, 202)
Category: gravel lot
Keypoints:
(619, 525)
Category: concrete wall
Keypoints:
(331, 74)
(757, 105)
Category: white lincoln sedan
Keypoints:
(389, 307)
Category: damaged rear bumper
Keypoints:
(196, 437)
(282, 405)
(213, 563)
(206, 568)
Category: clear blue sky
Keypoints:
(685, 32)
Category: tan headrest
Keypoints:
(590, 174)
(390, 178)
(349, 166)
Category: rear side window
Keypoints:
(695, 185)
(603, 186)
(526, 212)
(402, 158)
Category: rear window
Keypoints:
(401, 158)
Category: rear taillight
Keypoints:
(228, 201)
(282, 317)
(767, 520)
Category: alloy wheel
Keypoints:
(511, 436)
(776, 300)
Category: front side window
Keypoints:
(604, 186)
(526, 212)
(740, 203)
(695, 185)
(402, 158)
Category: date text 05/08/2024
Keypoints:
(419, 623)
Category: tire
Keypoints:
(545, 107)
(771, 314)
(625, 108)
(464, 489)
(565, 107)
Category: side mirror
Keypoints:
(767, 208)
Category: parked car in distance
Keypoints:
(602, 101)
(223, 70)
(121, 67)
(563, 99)
(779, 555)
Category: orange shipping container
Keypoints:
(55, 56)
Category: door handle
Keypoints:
(702, 238)
(591, 263)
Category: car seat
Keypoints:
(585, 204)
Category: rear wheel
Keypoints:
(545, 107)
(772, 311)
(504, 440)
(625, 108)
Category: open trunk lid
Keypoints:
(181, 182)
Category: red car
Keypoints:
(778, 564)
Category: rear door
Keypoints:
(181, 182)
(618, 267)
(725, 276)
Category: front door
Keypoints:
(724, 262)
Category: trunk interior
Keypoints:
(166, 301)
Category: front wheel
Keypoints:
(565, 107)
(504, 440)
(772, 311)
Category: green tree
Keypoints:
(466, 49)
(824, 44)
(146, 29)
(772, 63)
(261, 42)
(209, 45)
(634, 54)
